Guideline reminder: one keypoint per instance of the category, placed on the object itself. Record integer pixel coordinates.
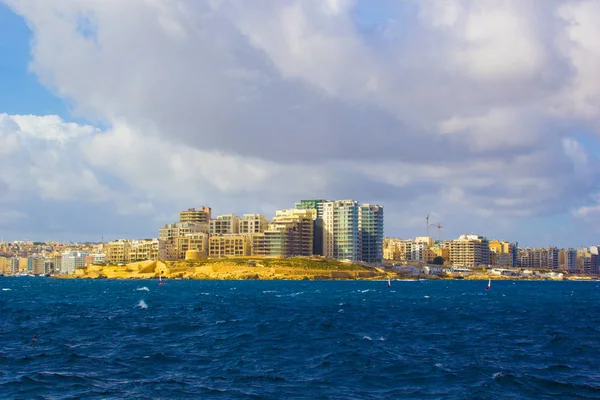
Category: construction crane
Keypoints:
(439, 227)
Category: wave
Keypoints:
(144, 288)
(142, 304)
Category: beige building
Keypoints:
(225, 225)
(502, 253)
(252, 223)
(4, 266)
(289, 235)
(470, 251)
(173, 238)
(397, 249)
(171, 231)
(229, 245)
(142, 250)
(201, 215)
(118, 252)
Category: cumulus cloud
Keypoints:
(462, 107)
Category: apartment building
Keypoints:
(252, 223)
(202, 215)
(289, 235)
(229, 245)
(371, 230)
(171, 231)
(341, 235)
(538, 258)
(36, 265)
(397, 249)
(503, 254)
(224, 225)
(470, 251)
(146, 249)
(317, 206)
(72, 260)
(117, 252)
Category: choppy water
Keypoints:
(290, 339)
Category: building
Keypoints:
(173, 238)
(142, 250)
(225, 225)
(397, 249)
(171, 231)
(202, 215)
(289, 235)
(117, 252)
(15, 264)
(503, 254)
(571, 260)
(72, 260)
(371, 230)
(317, 206)
(4, 266)
(470, 251)
(341, 234)
(252, 223)
(36, 265)
(229, 245)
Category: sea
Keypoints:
(428, 339)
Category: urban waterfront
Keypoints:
(285, 339)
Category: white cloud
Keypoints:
(466, 106)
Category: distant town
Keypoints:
(343, 230)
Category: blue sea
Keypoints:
(99, 339)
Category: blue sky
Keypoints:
(21, 91)
(426, 108)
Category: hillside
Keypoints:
(236, 268)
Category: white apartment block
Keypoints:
(341, 234)
(71, 260)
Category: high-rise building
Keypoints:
(200, 215)
(371, 230)
(341, 234)
(316, 205)
(352, 231)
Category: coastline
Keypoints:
(312, 269)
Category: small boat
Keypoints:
(160, 282)
(389, 282)
(489, 286)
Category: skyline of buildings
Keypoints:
(336, 229)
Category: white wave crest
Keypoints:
(5, 289)
(142, 304)
(143, 288)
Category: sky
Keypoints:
(484, 114)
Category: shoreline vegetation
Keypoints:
(277, 269)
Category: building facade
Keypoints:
(470, 251)
(371, 230)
